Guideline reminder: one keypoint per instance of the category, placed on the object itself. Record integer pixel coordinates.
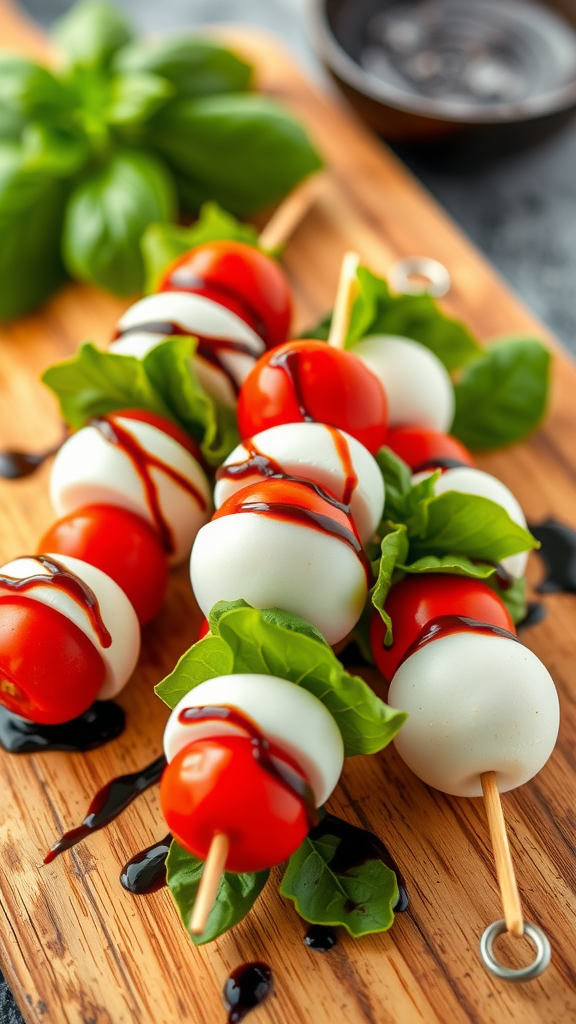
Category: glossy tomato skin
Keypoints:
(217, 786)
(311, 380)
(204, 629)
(418, 599)
(240, 277)
(167, 426)
(419, 447)
(50, 672)
(123, 545)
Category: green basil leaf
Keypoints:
(29, 91)
(514, 596)
(237, 893)
(397, 478)
(276, 643)
(54, 150)
(90, 33)
(107, 215)
(32, 204)
(271, 151)
(134, 98)
(163, 243)
(457, 565)
(467, 524)
(197, 67)
(394, 550)
(502, 397)
(360, 898)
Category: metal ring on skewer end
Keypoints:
(538, 939)
(420, 275)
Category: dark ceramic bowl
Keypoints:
(426, 69)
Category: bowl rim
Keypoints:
(369, 85)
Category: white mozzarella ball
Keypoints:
(197, 316)
(308, 450)
(91, 470)
(476, 703)
(271, 563)
(467, 480)
(417, 384)
(116, 611)
(287, 715)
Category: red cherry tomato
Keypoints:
(419, 447)
(218, 786)
(240, 277)
(50, 672)
(120, 543)
(311, 380)
(204, 629)
(418, 599)
(167, 426)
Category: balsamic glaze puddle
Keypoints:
(246, 987)
(146, 872)
(558, 552)
(108, 803)
(321, 938)
(535, 613)
(17, 465)
(103, 722)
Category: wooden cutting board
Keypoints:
(75, 947)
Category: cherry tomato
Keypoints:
(218, 786)
(418, 599)
(419, 447)
(123, 545)
(310, 380)
(50, 671)
(240, 277)
(167, 426)
(204, 629)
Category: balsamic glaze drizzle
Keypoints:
(321, 938)
(108, 803)
(146, 871)
(445, 625)
(100, 724)
(558, 552)
(246, 987)
(17, 465)
(440, 462)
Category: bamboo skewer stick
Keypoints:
(347, 290)
(209, 883)
(502, 857)
(291, 212)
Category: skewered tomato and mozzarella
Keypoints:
(239, 277)
(249, 756)
(139, 462)
(279, 544)
(422, 448)
(227, 348)
(311, 381)
(417, 384)
(316, 453)
(68, 634)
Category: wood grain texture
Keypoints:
(75, 947)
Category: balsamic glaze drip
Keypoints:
(246, 987)
(146, 872)
(208, 348)
(446, 625)
(17, 465)
(61, 578)
(357, 846)
(535, 613)
(108, 803)
(143, 461)
(320, 937)
(184, 279)
(277, 768)
(288, 361)
(103, 722)
(558, 552)
(440, 462)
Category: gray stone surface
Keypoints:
(521, 211)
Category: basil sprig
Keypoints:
(124, 134)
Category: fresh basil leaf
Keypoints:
(513, 596)
(163, 243)
(467, 524)
(237, 893)
(32, 204)
(502, 397)
(271, 151)
(134, 98)
(275, 643)
(361, 897)
(457, 565)
(397, 478)
(197, 67)
(29, 91)
(394, 550)
(90, 33)
(107, 215)
(54, 150)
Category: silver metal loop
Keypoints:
(538, 939)
(434, 277)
